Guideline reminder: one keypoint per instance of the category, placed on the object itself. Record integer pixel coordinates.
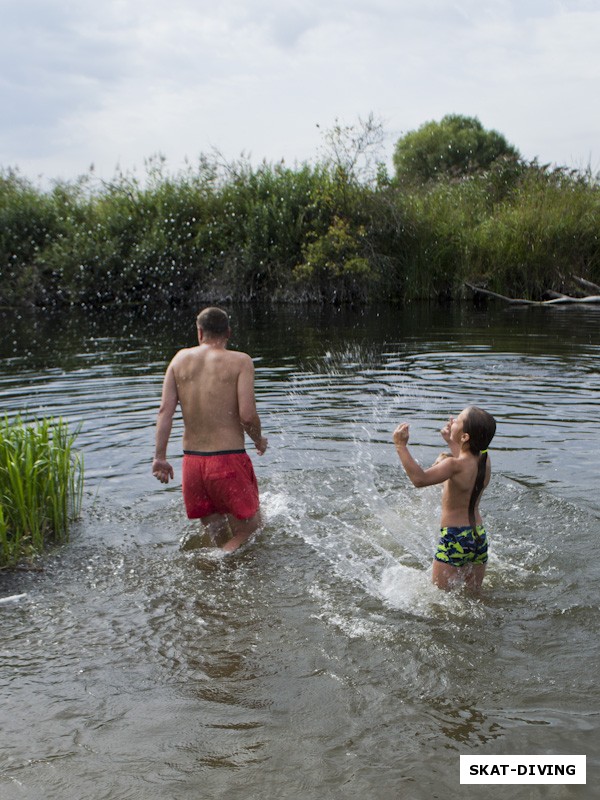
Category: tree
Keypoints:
(455, 147)
(353, 152)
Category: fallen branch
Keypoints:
(488, 293)
(590, 298)
(557, 298)
(587, 284)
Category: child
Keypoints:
(461, 554)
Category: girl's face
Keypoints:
(457, 427)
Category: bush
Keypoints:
(545, 233)
(28, 223)
(340, 230)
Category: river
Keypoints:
(318, 662)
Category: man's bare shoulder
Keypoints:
(182, 355)
(234, 358)
(243, 358)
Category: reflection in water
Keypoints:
(319, 661)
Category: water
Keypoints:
(319, 662)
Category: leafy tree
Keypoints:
(455, 147)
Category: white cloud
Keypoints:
(115, 82)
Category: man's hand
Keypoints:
(262, 445)
(162, 470)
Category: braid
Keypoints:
(481, 428)
(477, 489)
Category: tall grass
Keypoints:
(28, 225)
(548, 231)
(41, 486)
(276, 233)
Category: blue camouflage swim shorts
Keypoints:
(459, 547)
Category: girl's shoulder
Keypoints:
(466, 464)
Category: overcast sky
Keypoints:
(113, 82)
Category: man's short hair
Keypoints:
(213, 321)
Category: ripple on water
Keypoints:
(136, 669)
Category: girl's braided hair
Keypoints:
(481, 428)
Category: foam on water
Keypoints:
(13, 598)
(365, 541)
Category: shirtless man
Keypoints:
(215, 389)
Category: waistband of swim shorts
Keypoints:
(212, 452)
(456, 529)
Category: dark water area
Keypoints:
(318, 662)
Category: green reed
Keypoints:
(545, 232)
(311, 232)
(41, 486)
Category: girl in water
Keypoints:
(461, 554)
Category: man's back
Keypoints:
(207, 379)
(215, 389)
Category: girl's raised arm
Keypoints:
(438, 473)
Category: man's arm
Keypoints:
(249, 418)
(161, 468)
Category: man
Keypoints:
(215, 389)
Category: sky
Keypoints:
(113, 83)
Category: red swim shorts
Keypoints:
(219, 483)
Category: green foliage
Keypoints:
(260, 222)
(455, 147)
(545, 233)
(339, 230)
(334, 262)
(28, 223)
(337, 252)
(41, 485)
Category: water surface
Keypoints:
(319, 662)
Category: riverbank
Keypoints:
(312, 233)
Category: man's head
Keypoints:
(214, 323)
